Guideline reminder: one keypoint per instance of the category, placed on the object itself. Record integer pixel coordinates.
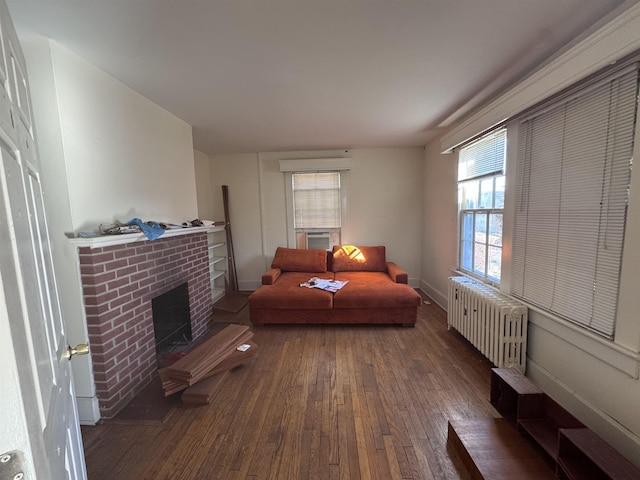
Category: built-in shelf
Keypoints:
(217, 274)
(218, 263)
(109, 240)
(217, 260)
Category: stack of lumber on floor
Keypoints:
(202, 371)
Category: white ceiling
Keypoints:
(274, 75)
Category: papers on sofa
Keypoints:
(327, 285)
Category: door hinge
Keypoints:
(12, 466)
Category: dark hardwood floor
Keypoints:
(316, 402)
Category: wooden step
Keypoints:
(491, 449)
(203, 392)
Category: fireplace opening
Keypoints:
(172, 319)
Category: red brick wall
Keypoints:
(118, 284)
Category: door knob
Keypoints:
(80, 349)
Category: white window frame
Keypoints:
(316, 201)
(337, 235)
(496, 175)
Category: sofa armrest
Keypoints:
(396, 273)
(270, 276)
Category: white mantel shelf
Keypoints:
(110, 240)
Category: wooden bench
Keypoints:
(535, 438)
(584, 455)
(491, 449)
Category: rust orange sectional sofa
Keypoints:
(376, 292)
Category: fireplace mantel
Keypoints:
(121, 274)
(109, 240)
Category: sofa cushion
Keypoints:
(350, 258)
(286, 293)
(373, 290)
(300, 260)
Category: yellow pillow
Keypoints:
(351, 258)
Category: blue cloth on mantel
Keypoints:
(152, 230)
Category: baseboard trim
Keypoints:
(249, 286)
(88, 410)
(435, 295)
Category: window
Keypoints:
(481, 186)
(316, 200)
(315, 208)
(574, 165)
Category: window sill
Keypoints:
(478, 279)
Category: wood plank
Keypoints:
(203, 392)
(544, 433)
(207, 353)
(521, 384)
(492, 450)
(205, 364)
(226, 358)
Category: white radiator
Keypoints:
(494, 323)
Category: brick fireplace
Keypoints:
(119, 282)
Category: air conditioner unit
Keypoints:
(320, 240)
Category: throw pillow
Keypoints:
(351, 258)
(300, 260)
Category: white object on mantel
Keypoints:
(109, 240)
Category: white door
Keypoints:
(39, 430)
(41, 416)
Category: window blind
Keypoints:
(574, 165)
(316, 200)
(483, 157)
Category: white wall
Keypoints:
(439, 223)
(384, 205)
(106, 154)
(204, 188)
(125, 156)
(240, 172)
